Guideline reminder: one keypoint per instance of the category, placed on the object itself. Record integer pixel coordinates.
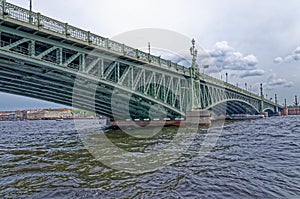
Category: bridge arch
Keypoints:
(270, 111)
(233, 106)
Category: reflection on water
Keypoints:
(47, 159)
(134, 151)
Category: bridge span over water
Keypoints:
(46, 59)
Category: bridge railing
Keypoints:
(43, 22)
(221, 83)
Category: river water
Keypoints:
(251, 159)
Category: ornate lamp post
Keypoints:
(193, 71)
(261, 98)
(194, 53)
(226, 77)
(149, 48)
(261, 91)
(4, 13)
(30, 12)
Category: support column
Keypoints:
(4, 13)
(59, 56)
(193, 68)
(276, 103)
(261, 99)
(198, 118)
(277, 113)
(195, 116)
(266, 114)
(297, 110)
(82, 63)
(30, 12)
(285, 110)
(192, 101)
(32, 48)
(101, 68)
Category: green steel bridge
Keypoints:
(46, 59)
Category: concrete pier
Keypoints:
(266, 114)
(198, 117)
(285, 111)
(194, 118)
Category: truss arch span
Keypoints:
(233, 106)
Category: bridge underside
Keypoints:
(271, 112)
(233, 107)
(36, 81)
(40, 82)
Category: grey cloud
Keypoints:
(274, 81)
(278, 60)
(252, 73)
(226, 57)
(289, 84)
(212, 71)
(297, 50)
(184, 61)
(181, 59)
(221, 57)
(294, 56)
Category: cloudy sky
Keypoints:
(253, 41)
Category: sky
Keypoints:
(254, 41)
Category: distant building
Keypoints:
(294, 111)
(11, 115)
(35, 114)
(44, 114)
(49, 114)
(58, 113)
(4, 116)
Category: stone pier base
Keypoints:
(278, 114)
(266, 114)
(285, 111)
(198, 117)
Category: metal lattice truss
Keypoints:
(224, 98)
(46, 59)
(152, 85)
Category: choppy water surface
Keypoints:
(256, 159)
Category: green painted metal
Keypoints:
(50, 56)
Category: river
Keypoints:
(251, 159)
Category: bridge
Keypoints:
(46, 59)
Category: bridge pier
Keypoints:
(198, 117)
(285, 111)
(277, 113)
(194, 119)
(266, 114)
